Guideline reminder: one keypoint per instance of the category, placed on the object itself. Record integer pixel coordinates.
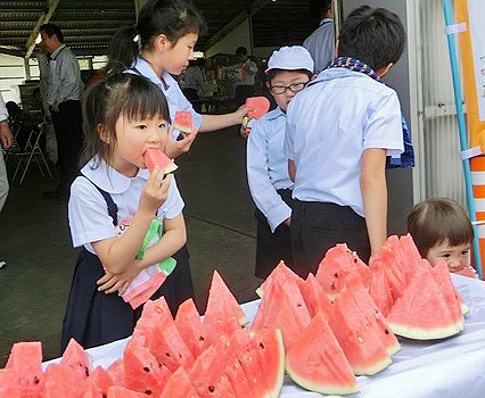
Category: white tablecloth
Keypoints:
(446, 369)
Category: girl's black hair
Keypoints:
(275, 72)
(121, 95)
(173, 18)
(375, 36)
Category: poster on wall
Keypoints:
(476, 12)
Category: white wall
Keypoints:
(239, 36)
(12, 73)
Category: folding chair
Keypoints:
(32, 151)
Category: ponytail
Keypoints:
(123, 50)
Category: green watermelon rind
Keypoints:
(321, 388)
(371, 370)
(417, 333)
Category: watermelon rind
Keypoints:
(416, 333)
(321, 388)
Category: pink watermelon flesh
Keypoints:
(141, 370)
(368, 308)
(9, 384)
(360, 342)
(315, 298)
(339, 262)
(442, 277)
(281, 273)
(464, 307)
(178, 385)
(220, 292)
(207, 376)
(316, 361)
(101, 380)
(25, 360)
(60, 381)
(121, 392)
(297, 303)
(91, 391)
(156, 157)
(183, 121)
(115, 371)
(261, 106)
(77, 359)
(380, 290)
(167, 346)
(190, 328)
(153, 311)
(422, 312)
(232, 368)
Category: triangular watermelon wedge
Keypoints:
(380, 290)
(183, 121)
(190, 327)
(316, 361)
(77, 359)
(360, 342)
(156, 157)
(422, 313)
(219, 292)
(153, 312)
(339, 262)
(115, 371)
(178, 385)
(366, 305)
(60, 381)
(316, 299)
(121, 392)
(25, 360)
(141, 371)
(280, 273)
(101, 380)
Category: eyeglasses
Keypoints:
(294, 87)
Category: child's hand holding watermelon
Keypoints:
(174, 148)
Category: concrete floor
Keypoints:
(34, 240)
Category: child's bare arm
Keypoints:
(374, 196)
(118, 254)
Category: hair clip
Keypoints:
(136, 39)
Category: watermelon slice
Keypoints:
(207, 376)
(442, 277)
(115, 371)
(422, 312)
(363, 301)
(183, 121)
(101, 380)
(281, 272)
(60, 381)
(380, 290)
(261, 106)
(153, 311)
(156, 157)
(77, 359)
(178, 385)
(316, 361)
(121, 392)
(141, 371)
(25, 360)
(167, 346)
(190, 328)
(339, 262)
(360, 341)
(220, 293)
(315, 298)
(91, 391)
(9, 384)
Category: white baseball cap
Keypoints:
(290, 58)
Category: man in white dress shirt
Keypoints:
(65, 89)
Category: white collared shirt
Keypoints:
(267, 167)
(321, 44)
(175, 98)
(330, 124)
(89, 220)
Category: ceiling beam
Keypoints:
(11, 51)
(253, 8)
(44, 18)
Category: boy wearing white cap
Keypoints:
(289, 70)
(338, 134)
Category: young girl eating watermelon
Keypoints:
(442, 231)
(114, 206)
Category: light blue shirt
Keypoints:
(64, 76)
(171, 89)
(89, 220)
(267, 167)
(330, 124)
(321, 44)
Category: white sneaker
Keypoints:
(2, 264)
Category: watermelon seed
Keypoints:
(201, 338)
(180, 356)
(386, 331)
(146, 369)
(261, 345)
(167, 354)
(105, 396)
(332, 286)
(298, 305)
(86, 370)
(36, 380)
(336, 275)
(211, 388)
(148, 392)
